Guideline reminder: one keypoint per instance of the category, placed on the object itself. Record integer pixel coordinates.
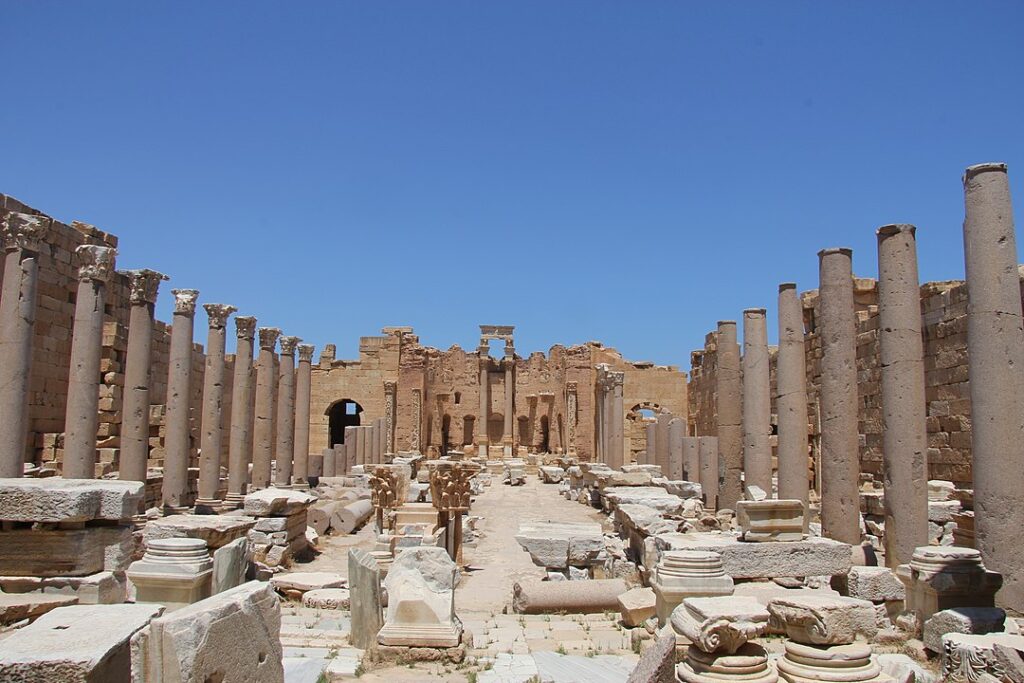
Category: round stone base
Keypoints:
(749, 663)
(842, 663)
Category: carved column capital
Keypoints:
(185, 301)
(390, 387)
(95, 262)
(245, 326)
(305, 353)
(571, 387)
(218, 314)
(268, 337)
(144, 285)
(23, 231)
(617, 379)
(288, 344)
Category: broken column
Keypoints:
(144, 286)
(95, 266)
(285, 450)
(177, 445)
(651, 431)
(421, 604)
(303, 384)
(721, 629)
(904, 434)
(616, 420)
(213, 408)
(840, 465)
(676, 429)
(757, 402)
(263, 426)
(23, 235)
(682, 574)
(707, 449)
(691, 457)
(240, 437)
(791, 397)
(995, 343)
(730, 430)
(661, 441)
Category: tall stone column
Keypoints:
(707, 447)
(757, 402)
(995, 342)
(177, 445)
(390, 402)
(286, 411)
(607, 416)
(507, 438)
(661, 458)
(691, 457)
(616, 418)
(351, 449)
(676, 429)
(730, 430)
(904, 432)
(81, 421)
(212, 439)
(840, 466)
(791, 399)
(303, 390)
(375, 442)
(651, 431)
(144, 286)
(485, 403)
(417, 420)
(240, 438)
(366, 445)
(600, 428)
(23, 236)
(571, 403)
(263, 426)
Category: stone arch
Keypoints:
(342, 413)
(636, 419)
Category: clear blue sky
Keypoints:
(629, 172)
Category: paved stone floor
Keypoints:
(507, 647)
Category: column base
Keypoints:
(208, 506)
(169, 510)
(233, 501)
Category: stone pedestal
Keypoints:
(213, 409)
(842, 663)
(240, 437)
(177, 439)
(939, 578)
(771, 520)
(421, 600)
(81, 419)
(685, 574)
(174, 572)
(757, 451)
(144, 285)
(749, 664)
(730, 430)
(791, 397)
(23, 236)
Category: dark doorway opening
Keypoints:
(341, 414)
(545, 434)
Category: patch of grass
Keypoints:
(561, 650)
(322, 678)
(471, 677)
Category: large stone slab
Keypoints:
(651, 496)
(65, 552)
(560, 545)
(53, 499)
(973, 620)
(230, 565)
(17, 606)
(823, 619)
(231, 636)
(812, 556)
(365, 596)
(877, 584)
(101, 588)
(216, 530)
(275, 502)
(77, 644)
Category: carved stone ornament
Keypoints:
(144, 285)
(268, 337)
(450, 488)
(185, 301)
(384, 489)
(245, 326)
(721, 624)
(305, 353)
(95, 262)
(288, 344)
(218, 314)
(23, 231)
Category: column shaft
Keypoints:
(510, 387)
(135, 421)
(650, 455)
(757, 402)
(485, 404)
(709, 470)
(177, 418)
(840, 466)
(617, 442)
(676, 428)
(691, 457)
(263, 426)
(240, 438)
(285, 451)
(212, 439)
(662, 444)
(995, 341)
(791, 399)
(730, 430)
(303, 387)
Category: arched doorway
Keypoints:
(341, 414)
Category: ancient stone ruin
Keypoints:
(845, 506)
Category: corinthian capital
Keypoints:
(390, 387)
(571, 387)
(245, 326)
(218, 314)
(144, 284)
(185, 300)
(305, 353)
(288, 344)
(268, 337)
(95, 262)
(23, 231)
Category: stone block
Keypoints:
(974, 620)
(174, 572)
(942, 511)
(216, 530)
(76, 644)
(969, 657)
(274, 502)
(636, 606)
(232, 636)
(877, 584)
(813, 556)
(230, 565)
(720, 624)
(770, 520)
(53, 499)
(560, 545)
(101, 588)
(294, 584)
(327, 598)
(658, 663)
(651, 496)
(365, 590)
(421, 604)
(65, 552)
(18, 606)
(823, 620)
